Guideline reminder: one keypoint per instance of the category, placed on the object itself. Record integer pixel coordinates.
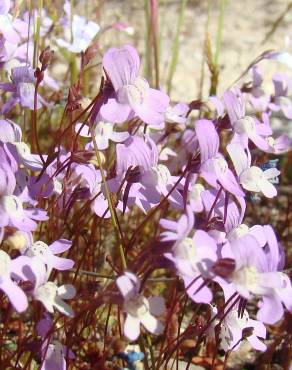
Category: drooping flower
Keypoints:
(138, 308)
(133, 95)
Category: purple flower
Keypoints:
(256, 274)
(245, 127)
(23, 89)
(13, 214)
(282, 84)
(233, 327)
(133, 95)
(280, 145)
(180, 229)
(47, 253)
(192, 256)
(177, 114)
(103, 132)
(7, 24)
(214, 168)
(252, 178)
(138, 308)
(82, 31)
(136, 152)
(53, 351)
(16, 296)
(10, 132)
(53, 296)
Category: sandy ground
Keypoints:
(245, 25)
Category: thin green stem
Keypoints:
(36, 35)
(175, 46)
(110, 204)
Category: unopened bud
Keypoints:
(46, 57)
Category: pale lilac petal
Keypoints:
(259, 328)
(119, 137)
(271, 310)
(36, 214)
(63, 307)
(198, 292)
(5, 6)
(256, 343)
(100, 207)
(259, 141)
(235, 106)
(157, 305)
(60, 246)
(126, 286)
(168, 224)
(282, 144)
(115, 112)
(220, 108)
(14, 293)
(82, 129)
(271, 173)
(258, 232)
(60, 263)
(267, 189)
(233, 218)
(132, 327)
(153, 108)
(66, 291)
(239, 157)
(228, 181)
(121, 65)
(208, 139)
(153, 325)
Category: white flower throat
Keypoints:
(137, 306)
(244, 125)
(134, 94)
(11, 205)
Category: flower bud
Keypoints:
(46, 57)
